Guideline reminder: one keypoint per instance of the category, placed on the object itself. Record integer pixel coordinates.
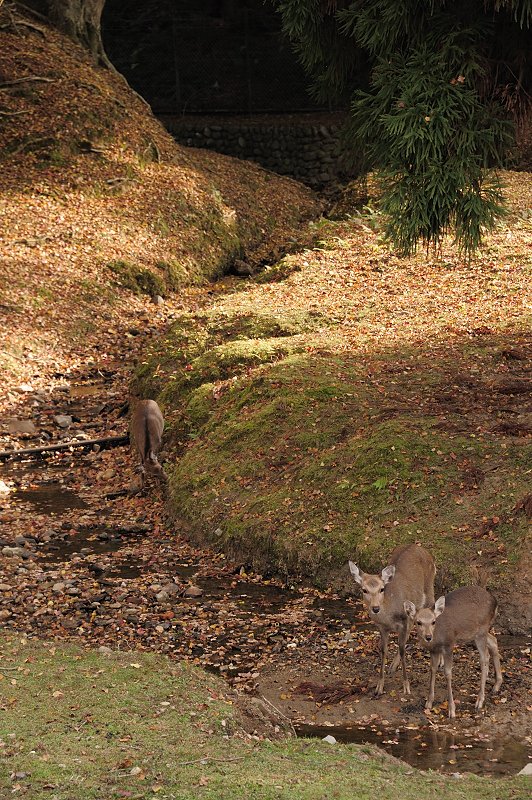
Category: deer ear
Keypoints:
(355, 572)
(439, 606)
(388, 573)
(410, 609)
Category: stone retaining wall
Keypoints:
(307, 148)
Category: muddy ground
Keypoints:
(85, 561)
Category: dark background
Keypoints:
(206, 56)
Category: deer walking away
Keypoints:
(147, 425)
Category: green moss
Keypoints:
(300, 461)
(278, 272)
(138, 279)
(176, 273)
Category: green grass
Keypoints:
(77, 725)
(300, 460)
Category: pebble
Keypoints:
(20, 552)
(22, 426)
(63, 420)
(527, 770)
(21, 540)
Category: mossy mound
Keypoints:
(138, 279)
(294, 460)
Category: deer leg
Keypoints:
(494, 651)
(395, 663)
(398, 658)
(385, 635)
(482, 647)
(448, 669)
(434, 661)
(403, 636)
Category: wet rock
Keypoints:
(25, 426)
(19, 552)
(70, 624)
(107, 474)
(22, 541)
(193, 591)
(63, 420)
(171, 588)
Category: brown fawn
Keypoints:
(147, 425)
(408, 576)
(464, 615)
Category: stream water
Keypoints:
(434, 749)
(422, 748)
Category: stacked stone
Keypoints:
(311, 154)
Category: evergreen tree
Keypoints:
(435, 120)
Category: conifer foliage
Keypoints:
(435, 120)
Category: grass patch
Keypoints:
(138, 279)
(299, 460)
(77, 725)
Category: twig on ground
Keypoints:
(280, 713)
(30, 78)
(107, 441)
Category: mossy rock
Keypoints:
(139, 280)
(278, 272)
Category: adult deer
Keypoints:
(408, 576)
(464, 615)
(147, 425)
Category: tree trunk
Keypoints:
(79, 19)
